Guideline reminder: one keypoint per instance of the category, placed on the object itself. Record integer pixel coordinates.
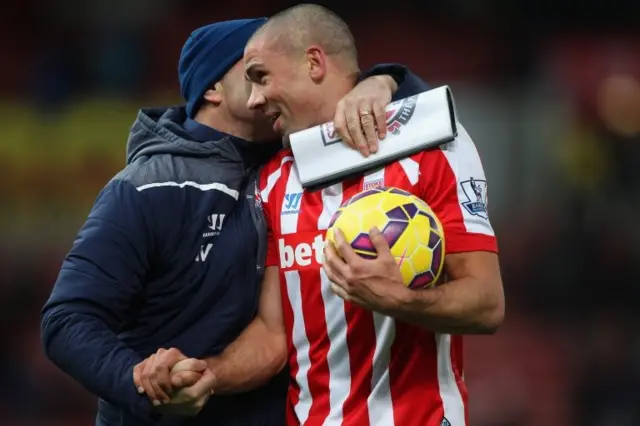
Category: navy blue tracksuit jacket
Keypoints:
(171, 255)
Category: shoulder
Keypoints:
(166, 175)
(459, 153)
(146, 171)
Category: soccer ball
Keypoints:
(412, 230)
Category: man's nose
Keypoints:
(256, 99)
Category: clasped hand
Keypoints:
(174, 383)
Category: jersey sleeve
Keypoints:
(272, 258)
(453, 183)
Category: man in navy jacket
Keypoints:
(172, 252)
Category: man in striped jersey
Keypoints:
(368, 351)
(385, 356)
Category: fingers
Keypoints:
(162, 368)
(379, 243)
(380, 115)
(334, 266)
(345, 251)
(184, 379)
(368, 122)
(137, 379)
(187, 372)
(203, 387)
(340, 125)
(190, 364)
(160, 376)
(153, 391)
(354, 126)
(340, 292)
(360, 125)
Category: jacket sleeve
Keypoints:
(409, 84)
(99, 280)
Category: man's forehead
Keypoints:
(256, 45)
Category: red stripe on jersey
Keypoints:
(361, 341)
(413, 373)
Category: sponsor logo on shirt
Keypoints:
(291, 203)
(301, 251)
(366, 185)
(476, 192)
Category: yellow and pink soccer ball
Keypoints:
(412, 230)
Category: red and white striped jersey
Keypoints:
(350, 366)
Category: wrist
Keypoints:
(388, 82)
(213, 363)
(414, 303)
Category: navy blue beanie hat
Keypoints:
(209, 53)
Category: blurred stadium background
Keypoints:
(550, 92)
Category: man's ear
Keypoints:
(317, 63)
(214, 94)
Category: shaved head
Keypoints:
(300, 63)
(295, 29)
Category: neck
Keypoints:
(217, 118)
(340, 88)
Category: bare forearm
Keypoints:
(463, 306)
(250, 361)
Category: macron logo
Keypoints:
(297, 254)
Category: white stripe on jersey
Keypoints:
(273, 179)
(465, 163)
(338, 353)
(289, 225)
(379, 402)
(452, 401)
(301, 343)
(331, 201)
(411, 168)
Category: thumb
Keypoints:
(184, 379)
(205, 385)
(189, 364)
(379, 242)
